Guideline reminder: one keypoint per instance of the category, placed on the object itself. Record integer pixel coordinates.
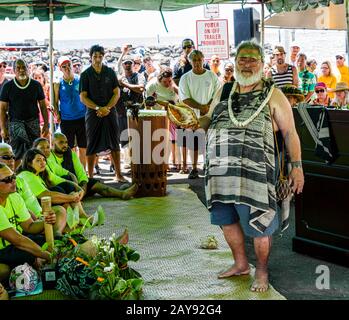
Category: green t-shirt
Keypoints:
(307, 81)
(55, 167)
(37, 185)
(28, 196)
(14, 213)
(78, 167)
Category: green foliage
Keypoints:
(73, 217)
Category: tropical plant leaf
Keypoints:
(101, 215)
(86, 222)
(136, 284)
(45, 246)
(95, 219)
(76, 215)
(70, 218)
(135, 256)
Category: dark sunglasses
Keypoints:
(3, 65)
(320, 90)
(231, 70)
(6, 157)
(189, 47)
(339, 57)
(8, 179)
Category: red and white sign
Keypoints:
(212, 38)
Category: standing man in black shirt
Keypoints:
(20, 98)
(183, 65)
(99, 92)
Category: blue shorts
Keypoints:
(231, 213)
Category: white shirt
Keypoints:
(162, 93)
(199, 87)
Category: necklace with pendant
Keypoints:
(243, 124)
(19, 86)
(70, 82)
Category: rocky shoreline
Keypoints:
(160, 54)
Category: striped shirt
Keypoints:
(282, 79)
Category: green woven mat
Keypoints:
(167, 232)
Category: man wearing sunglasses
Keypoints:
(183, 65)
(77, 65)
(16, 248)
(342, 68)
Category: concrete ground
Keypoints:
(292, 274)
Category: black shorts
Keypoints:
(13, 256)
(64, 187)
(91, 182)
(75, 129)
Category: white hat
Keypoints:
(295, 44)
(62, 60)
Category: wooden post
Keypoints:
(46, 209)
(346, 2)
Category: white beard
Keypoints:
(248, 81)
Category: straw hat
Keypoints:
(293, 91)
(341, 86)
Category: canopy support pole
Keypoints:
(262, 24)
(51, 117)
(347, 19)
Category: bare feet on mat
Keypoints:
(130, 192)
(120, 179)
(261, 282)
(235, 271)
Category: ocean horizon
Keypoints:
(318, 44)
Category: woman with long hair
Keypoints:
(328, 78)
(45, 183)
(164, 89)
(341, 101)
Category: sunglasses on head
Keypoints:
(8, 179)
(319, 90)
(7, 157)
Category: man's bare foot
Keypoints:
(261, 282)
(234, 271)
(129, 192)
(120, 178)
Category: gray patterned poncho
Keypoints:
(240, 163)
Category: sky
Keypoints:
(117, 25)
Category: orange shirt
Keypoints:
(330, 82)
